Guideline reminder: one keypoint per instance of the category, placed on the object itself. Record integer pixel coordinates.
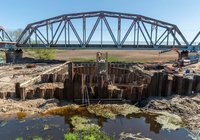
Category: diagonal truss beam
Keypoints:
(4, 35)
(75, 32)
(150, 35)
(110, 31)
(93, 30)
(128, 32)
(192, 43)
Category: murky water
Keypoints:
(54, 127)
(46, 127)
(138, 125)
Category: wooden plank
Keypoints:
(2, 95)
(22, 93)
(160, 83)
(100, 86)
(38, 78)
(71, 81)
(197, 88)
(42, 93)
(17, 90)
(168, 88)
(179, 85)
(188, 89)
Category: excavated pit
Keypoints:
(86, 82)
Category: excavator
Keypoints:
(185, 57)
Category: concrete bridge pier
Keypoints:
(13, 56)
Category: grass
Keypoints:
(92, 59)
(118, 59)
(41, 53)
(82, 59)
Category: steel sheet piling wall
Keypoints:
(122, 84)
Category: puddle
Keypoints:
(53, 127)
(140, 125)
(58, 124)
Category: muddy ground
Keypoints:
(11, 106)
(187, 107)
(11, 74)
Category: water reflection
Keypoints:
(56, 123)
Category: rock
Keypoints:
(3, 110)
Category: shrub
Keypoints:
(44, 53)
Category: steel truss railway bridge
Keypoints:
(101, 29)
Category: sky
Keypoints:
(185, 14)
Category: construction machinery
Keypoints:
(185, 57)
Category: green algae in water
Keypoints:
(70, 136)
(91, 134)
(37, 138)
(34, 138)
(20, 138)
(169, 121)
(85, 130)
(82, 124)
(21, 115)
(111, 111)
(102, 110)
(46, 127)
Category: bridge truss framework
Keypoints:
(194, 41)
(4, 37)
(143, 32)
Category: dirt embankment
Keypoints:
(35, 106)
(187, 107)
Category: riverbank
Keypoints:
(187, 107)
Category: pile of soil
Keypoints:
(187, 107)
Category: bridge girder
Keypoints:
(146, 31)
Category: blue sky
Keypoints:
(184, 13)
